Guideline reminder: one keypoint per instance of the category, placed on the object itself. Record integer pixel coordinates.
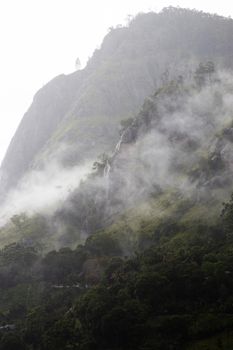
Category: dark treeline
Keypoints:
(175, 294)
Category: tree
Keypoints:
(204, 73)
(227, 215)
(77, 64)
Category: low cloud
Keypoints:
(43, 190)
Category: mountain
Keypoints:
(138, 253)
(75, 117)
(154, 270)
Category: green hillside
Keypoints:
(138, 255)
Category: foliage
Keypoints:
(176, 292)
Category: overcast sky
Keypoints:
(42, 38)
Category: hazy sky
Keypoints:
(42, 38)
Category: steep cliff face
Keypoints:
(78, 114)
(46, 112)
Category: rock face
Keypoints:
(40, 121)
(75, 117)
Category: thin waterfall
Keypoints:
(107, 167)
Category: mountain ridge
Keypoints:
(130, 64)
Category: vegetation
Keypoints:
(140, 255)
(175, 294)
(132, 62)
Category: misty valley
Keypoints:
(116, 196)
